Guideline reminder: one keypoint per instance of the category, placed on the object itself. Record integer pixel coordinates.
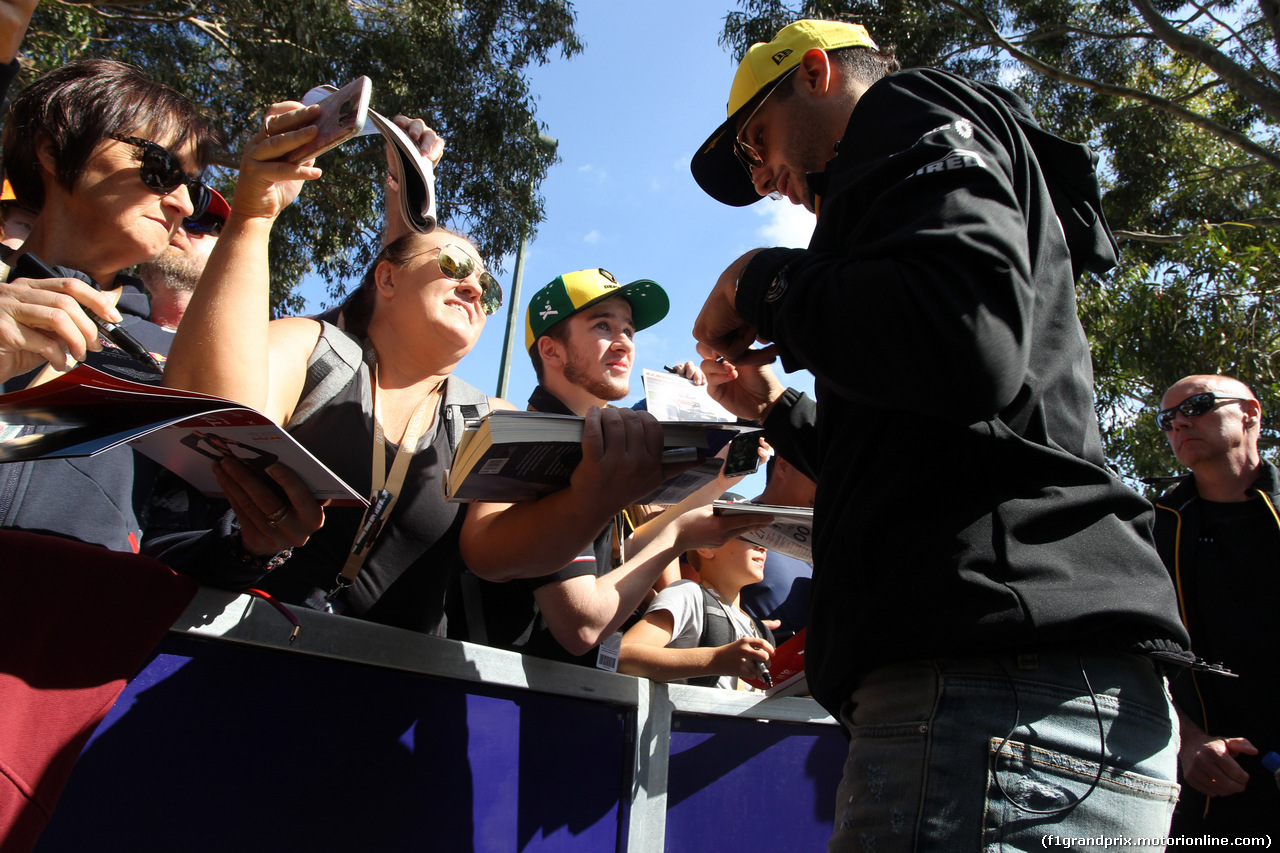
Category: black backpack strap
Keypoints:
(716, 632)
(464, 402)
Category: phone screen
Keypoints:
(744, 454)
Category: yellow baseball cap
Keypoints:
(572, 292)
(715, 166)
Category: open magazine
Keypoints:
(89, 412)
(413, 172)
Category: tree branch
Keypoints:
(1251, 224)
(1201, 51)
(982, 22)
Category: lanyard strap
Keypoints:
(384, 490)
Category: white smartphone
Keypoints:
(342, 116)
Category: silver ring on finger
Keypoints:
(278, 516)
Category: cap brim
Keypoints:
(218, 204)
(718, 170)
(649, 302)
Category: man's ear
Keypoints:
(815, 71)
(1252, 412)
(707, 553)
(551, 350)
(47, 156)
(382, 279)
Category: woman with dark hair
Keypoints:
(112, 161)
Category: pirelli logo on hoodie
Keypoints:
(959, 158)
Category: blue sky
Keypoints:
(629, 112)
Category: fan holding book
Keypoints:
(377, 402)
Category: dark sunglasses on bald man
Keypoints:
(161, 171)
(1192, 407)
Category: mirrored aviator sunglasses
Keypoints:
(161, 171)
(457, 264)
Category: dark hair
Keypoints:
(558, 332)
(860, 63)
(78, 105)
(357, 308)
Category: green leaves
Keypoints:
(459, 67)
(1182, 104)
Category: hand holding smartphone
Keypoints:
(342, 116)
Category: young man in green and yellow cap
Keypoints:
(579, 331)
(992, 640)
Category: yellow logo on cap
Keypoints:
(781, 55)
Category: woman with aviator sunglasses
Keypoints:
(391, 425)
(419, 310)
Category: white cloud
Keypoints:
(597, 174)
(592, 237)
(788, 224)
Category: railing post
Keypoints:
(647, 819)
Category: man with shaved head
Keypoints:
(1218, 532)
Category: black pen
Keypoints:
(671, 369)
(764, 672)
(125, 341)
(29, 266)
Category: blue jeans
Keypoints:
(1002, 753)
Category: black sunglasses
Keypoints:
(208, 224)
(162, 173)
(1193, 407)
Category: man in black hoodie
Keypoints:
(988, 610)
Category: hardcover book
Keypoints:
(518, 456)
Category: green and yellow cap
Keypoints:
(572, 292)
(715, 166)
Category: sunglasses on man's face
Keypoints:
(456, 263)
(748, 155)
(1192, 407)
(161, 171)
(210, 224)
